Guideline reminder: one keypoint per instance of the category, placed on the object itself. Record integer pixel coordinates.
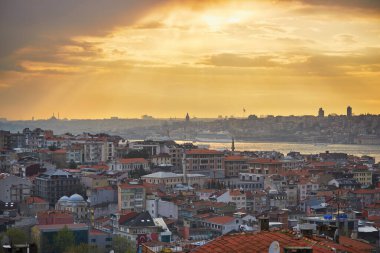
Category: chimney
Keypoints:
(263, 223)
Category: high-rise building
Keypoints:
(349, 111)
(53, 184)
(321, 113)
(205, 161)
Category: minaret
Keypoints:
(233, 145)
(187, 120)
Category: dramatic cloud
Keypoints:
(97, 58)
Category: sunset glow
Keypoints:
(166, 58)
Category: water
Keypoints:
(304, 148)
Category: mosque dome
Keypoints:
(64, 198)
(76, 198)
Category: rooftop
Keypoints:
(132, 160)
(203, 152)
(260, 242)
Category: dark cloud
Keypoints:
(24, 23)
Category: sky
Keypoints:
(104, 58)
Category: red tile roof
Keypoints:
(323, 164)
(132, 160)
(236, 193)
(264, 161)
(97, 232)
(131, 186)
(235, 158)
(355, 244)
(367, 191)
(202, 152)
(38, 200)
(220, 219)
(260, 242)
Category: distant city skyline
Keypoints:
(164, 58)
(321, 112)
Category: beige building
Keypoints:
(364, 177)
(170, 179)
(205, 161)
(131, 197)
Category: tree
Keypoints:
(122, 245)
(17, 236)
(72, 164)
(63, 240)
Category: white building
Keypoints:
(170, 179)
(13, 188)
(235, 196)
(129, 164)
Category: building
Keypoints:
(136, 227)
(306, 187)
(44, 235)
(222, 224)
(287, 242)
(55, 217)
(131, 197)
(236, 196)
(234, 165)
(170, 179)
(75, 154)
(129, 164)
(5, 139)
(364, 177)
(30, 206)
(102, 201)
(349, 111)
(13, 188)
(206, 162)
(246, 182)
(321, 113)
(265, 166)
(75, 204)
(163, 159)
(100, 240)
(53, 184)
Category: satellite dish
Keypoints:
(274, 247)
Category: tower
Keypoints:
(233, 145)
(187, 117)
(349, 111)
(321, 113)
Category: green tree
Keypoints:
(123, 245)
(17, 236)
(63, 240)
(72, 165)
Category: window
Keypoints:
(108, 239)
(93, 240)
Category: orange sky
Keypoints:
(165, 58)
